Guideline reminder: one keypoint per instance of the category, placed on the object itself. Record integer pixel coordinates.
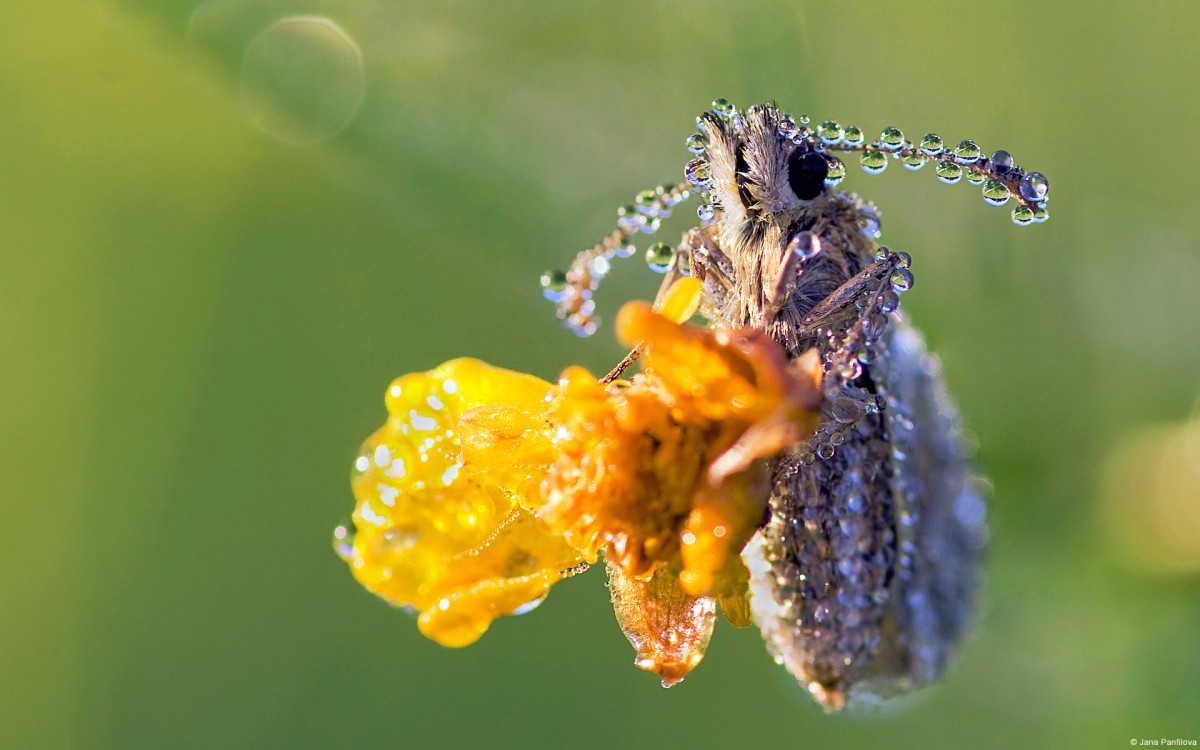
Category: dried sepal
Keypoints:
(668, 627)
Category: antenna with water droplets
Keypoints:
(1001, 179)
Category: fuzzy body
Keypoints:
(864, 577)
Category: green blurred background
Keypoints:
(223, 233)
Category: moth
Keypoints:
(865, 570)
(787, 454)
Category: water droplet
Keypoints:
(802, 136)
(805, 245)
(529, 606)
(873, 162)
(302, 79)
(520, 562)
(723, 108)
(554, 284)
(363, 462)
(995, 193)
(646, 202)
(787, 128)
(949, 172)
(625, 248)
(582, 325)
(874, 327)
(658, 256)
(902, 280)
(697, 142)
(892, 138)
(1001, 162)
(649, 224)
(705, 212)
(853, 136)
(1035, 187)
(967, 152)
(975, 178)
(343, 540)
(400, 538)
(627, 217)
(850, 369)
(903, 259)
(826, 451)
(698, 173)
(889, 301)
(931, 145)
(845, 409)
(1022, 215)
(870, 225)
(830, 132)
(1040, 214)
(913, 162)
(837, 171)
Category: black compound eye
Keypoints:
(807, 171)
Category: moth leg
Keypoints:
(875, 279)
(683, 253)
(713, 268)
(803, 246)
(851, 320)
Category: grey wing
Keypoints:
(821, 567)
(941, 515)
(863, 580)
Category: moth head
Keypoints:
(755, 170)
(756, 163)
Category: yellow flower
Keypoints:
(434, 538)
(667, 467)
(665, 472)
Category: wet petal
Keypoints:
(433, 536)
(508, 448)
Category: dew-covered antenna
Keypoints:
(1001, 178)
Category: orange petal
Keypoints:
(689, 363)
(722, 520)
(735, 599)
(681, 300)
